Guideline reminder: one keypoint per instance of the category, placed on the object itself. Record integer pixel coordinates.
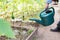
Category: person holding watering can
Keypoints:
(57, 29)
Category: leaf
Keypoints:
(5, 29)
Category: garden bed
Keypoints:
(23, 30)
(28, 27)
(22, 34)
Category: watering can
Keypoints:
(47, 17)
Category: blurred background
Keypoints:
(21, 9)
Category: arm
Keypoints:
(47, 3)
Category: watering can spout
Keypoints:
(37, 20)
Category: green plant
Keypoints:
(5, 29)
(30, 31)
(12, 15)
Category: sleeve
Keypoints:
(49, 1)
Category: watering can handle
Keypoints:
(52, 9)
(49, 8)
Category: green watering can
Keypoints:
(47, 17)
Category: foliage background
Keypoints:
(21, 8)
